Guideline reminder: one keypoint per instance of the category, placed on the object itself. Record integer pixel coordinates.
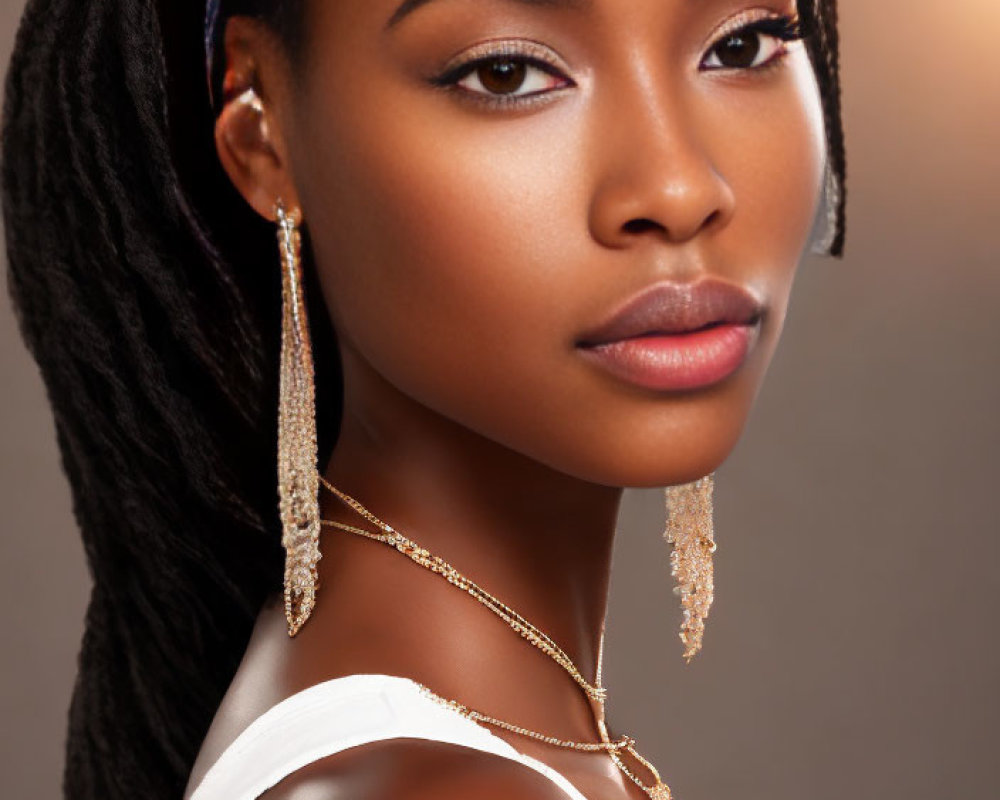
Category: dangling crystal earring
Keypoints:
(298, 479)
(690, 532)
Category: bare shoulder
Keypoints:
(414, 769)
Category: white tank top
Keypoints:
(341, 713)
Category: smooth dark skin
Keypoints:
(462, 251)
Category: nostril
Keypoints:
(640, 225)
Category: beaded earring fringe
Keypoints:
(298, 481)
(689, 529)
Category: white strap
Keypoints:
(341, 713)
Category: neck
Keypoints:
(538, 540)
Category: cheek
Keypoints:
(770, 145)
(444, 248)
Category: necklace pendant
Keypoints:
(660, 791)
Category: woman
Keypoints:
(546, 252)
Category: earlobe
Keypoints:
(249, 155)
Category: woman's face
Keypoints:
(476, 226)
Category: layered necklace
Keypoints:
(595, 691)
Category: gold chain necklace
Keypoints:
(438, 565)
(658, 790)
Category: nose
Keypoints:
(656, 177)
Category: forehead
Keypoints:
(393, 12)
(406, 7)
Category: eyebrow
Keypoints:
(409, 6)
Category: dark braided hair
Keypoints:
(819, 19)
(143, 291)
(146, 290)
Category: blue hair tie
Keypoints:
(213, 16)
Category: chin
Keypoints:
(678, 463)
(663, 444)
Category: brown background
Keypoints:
(852, 651)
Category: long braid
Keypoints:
(152, 347)
(819, 18)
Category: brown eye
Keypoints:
(746, 49)
(502, 76)
(505, 78)
(739, 50)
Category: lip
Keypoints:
(677, 335)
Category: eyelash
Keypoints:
(524, 53)
(784, 28)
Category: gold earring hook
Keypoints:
(281, 212)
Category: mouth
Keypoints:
(664, 309)
(664, 332)
(675, 336)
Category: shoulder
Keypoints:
(414, 769)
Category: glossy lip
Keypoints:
(670, 307)
(674, 336)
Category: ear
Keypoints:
(249, 135)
